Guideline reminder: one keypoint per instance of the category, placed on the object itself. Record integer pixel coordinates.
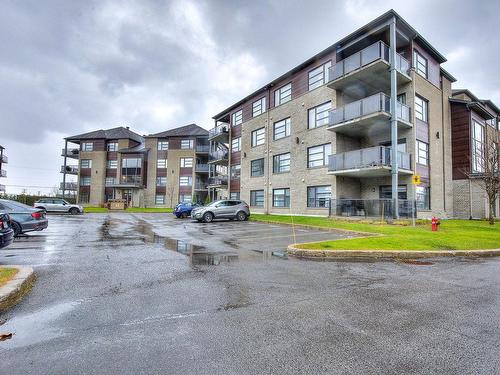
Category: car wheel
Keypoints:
(73, 211)
(208, 217)
(184, 215)
(17, 228)
(241, 216)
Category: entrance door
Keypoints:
(127, 195)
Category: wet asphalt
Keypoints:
(149, 294)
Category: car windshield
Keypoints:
(16, 205)
(214, 203)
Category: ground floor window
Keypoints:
(109, 196)
(257, 198)
(386, 192)
(319, 196)
(234, 195)
(185, 198)
(83, 198)
(159, 199)
(281, 197)
(423, 198)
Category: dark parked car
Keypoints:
(6, 231)
(222, 209)
(24, 218)
(184, 209)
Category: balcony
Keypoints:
(201, 168)
(4, 159)
(218, 157)
(3, 173)
(202, 149)
(220, 133)
(217, 181)
(368, 116)
(68, 186)
(69, 169)
(368, 162)
(201, 185)
(73, 153)
(2, 188)
(367, 71)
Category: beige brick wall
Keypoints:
(97, 176)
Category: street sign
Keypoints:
(416, 179)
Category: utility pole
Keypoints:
(394, 119)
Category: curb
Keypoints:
(408, 254)
(15, 289)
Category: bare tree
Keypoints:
(169, 190)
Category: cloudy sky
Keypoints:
(68, 67)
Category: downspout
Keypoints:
(394, 121)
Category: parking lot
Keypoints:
(147, 293)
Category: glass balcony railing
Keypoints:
(71, 169)
(217, 180)
(218, 155)
(201, 168)
(200, 185)
(2, 188)
(70, 152)
(202, 148)
(3, 173)
(378, 156)
(4, 159)
(218, 130)
(68, 186)
(372, 104)
(376, 51)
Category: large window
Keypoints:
(385, 192)
(236, 144)
(237, 118)
(257, 168)
(478, 147)
(185, 198)
(319, 76)
(421, 108)
(422, 153)
(234, 195)
(185, 181)
(317, 156)
(420, 63)
(259, 107)
(86, 163)
(258, 137)
(110, 181)
(235, 172)
(87, 146)
(112, 146)
(423, 198)
(283, 95)
(281, 163)
(281, 129)
(257, 198)
(186, 162)
(161, 181)
(318, 116)
(187, 144)
(162, 145)
(85, 181)
(161, 163)
(159, 199)
(319, 196)
(281, 197)
(131, 170)
(112, 164)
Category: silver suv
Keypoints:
(58, 205)
(222, 209)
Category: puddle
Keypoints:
(415, 262)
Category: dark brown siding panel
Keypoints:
(112, 155)
(235, 157)
(422, 130)
(161, 190)
(186, 171)
(185, 189)
(236, 131)
(460, 140)
(433, 67)
(85, 172)
(162, 154)
(99, 144)
(234, 185)
(174, 143)
(161, 172)
(110, 172)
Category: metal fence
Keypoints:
(382, 208)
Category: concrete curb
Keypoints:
(15, 289)
(405, 254)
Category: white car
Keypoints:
(58, 205)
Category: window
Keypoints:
(422, 153)
(112, 146)
(185, 181)
(318, 116)
(257, 168)
(283, 95)
(162, 145)
(421, 108)
(281, 197)
(83, 198)
(386, 192)
(317, 156)
(186, 162)
(237, 118)
(236, 144)
(258, 137)
(318, 76)
(112, 164)
(159, 199)
(257, 198)
(185, 198)
(85, 181)
(234, 195)
(235, 172)
(281, 129)
(110, 181)
(423, 198)
(131, 170)
(259, 107)
(281, 163)
(187, 144)
(478, 154)
(87, 146)
(420, 63)
(161, 181)
(86, 163)
(319, 196)
(161, 163)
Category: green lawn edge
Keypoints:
(7, 274)
(452, 234)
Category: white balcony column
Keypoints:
(394, 119)
(64, 169)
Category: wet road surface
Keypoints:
(148, 294)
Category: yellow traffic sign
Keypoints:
(416, 179)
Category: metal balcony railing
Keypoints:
(71, 169)
(376, 51)
(2, 188)
(202, 148)
(68, 186)
(70, 152)
(201, 168)
(4, 159)
(200, 185)
(378, 156)
(217, 180)
(372, 104)
(218, 155)
(3, 173)
(220, 129)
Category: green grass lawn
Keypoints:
(131, 209)
(452, 234)
(7, 274)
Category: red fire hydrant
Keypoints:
(435, 223)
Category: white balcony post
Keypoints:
(394, 120)
(64, 169)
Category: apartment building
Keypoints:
(156, 170)
(475, 133)
(353, 123)
(3, 160)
